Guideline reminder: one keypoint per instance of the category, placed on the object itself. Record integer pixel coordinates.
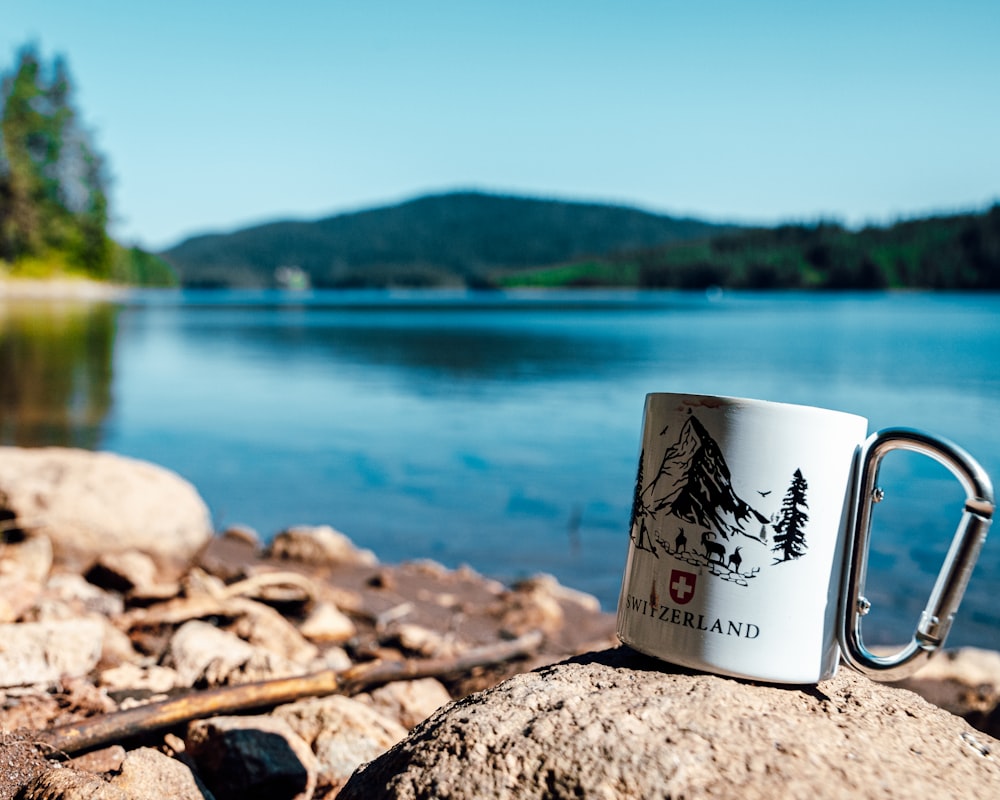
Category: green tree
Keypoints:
(20, 223)
(790, 540)
(53, 186)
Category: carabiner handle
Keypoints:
(935, 622)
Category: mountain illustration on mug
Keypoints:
(690, 510)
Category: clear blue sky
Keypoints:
(218, 114)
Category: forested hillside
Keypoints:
(461, 238)
(485, 241)
(959, 252)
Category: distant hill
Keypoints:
(459, 238)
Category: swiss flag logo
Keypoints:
(682, 586)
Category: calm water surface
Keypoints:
(502, 431)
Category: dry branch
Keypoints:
(111, 728)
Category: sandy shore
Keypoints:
(60, 289)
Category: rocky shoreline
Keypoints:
(143, 654)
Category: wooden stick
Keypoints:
(111, 728)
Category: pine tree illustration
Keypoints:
(637, 495)
(640, 537)
(790, 537)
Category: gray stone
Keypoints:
(203, 655)
(342, 732)
(89, 504)
(31, 557)
(549, 584)
(964, 681)
(410, 702)
(418, 640)
(71, 784)
(243, 534)
(24, 567)
(318, 545)
(150, 678)
(18, 595)
(78, 596)
(265, 628)
(147, 773)
(532, 607)
(614, 724)
(327, 623)
(131, 573)
(45, 652)
(98, 762)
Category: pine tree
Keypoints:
(638, 516)
(53, 198)
(790, 539)
(22, 146)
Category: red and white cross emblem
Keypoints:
(682, 586)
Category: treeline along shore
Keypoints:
(486, 241)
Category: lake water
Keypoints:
(502, 430)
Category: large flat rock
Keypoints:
(614, 724)
(89, 504)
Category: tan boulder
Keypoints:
(89, 504)
(614, 724)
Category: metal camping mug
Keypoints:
(749, 539)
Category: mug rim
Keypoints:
(715, 401)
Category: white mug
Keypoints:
(749, 539)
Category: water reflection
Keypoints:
(447, 351)
(55, 371)
(422, 339)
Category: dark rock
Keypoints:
(252, 758)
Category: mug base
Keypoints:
(698, 665)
